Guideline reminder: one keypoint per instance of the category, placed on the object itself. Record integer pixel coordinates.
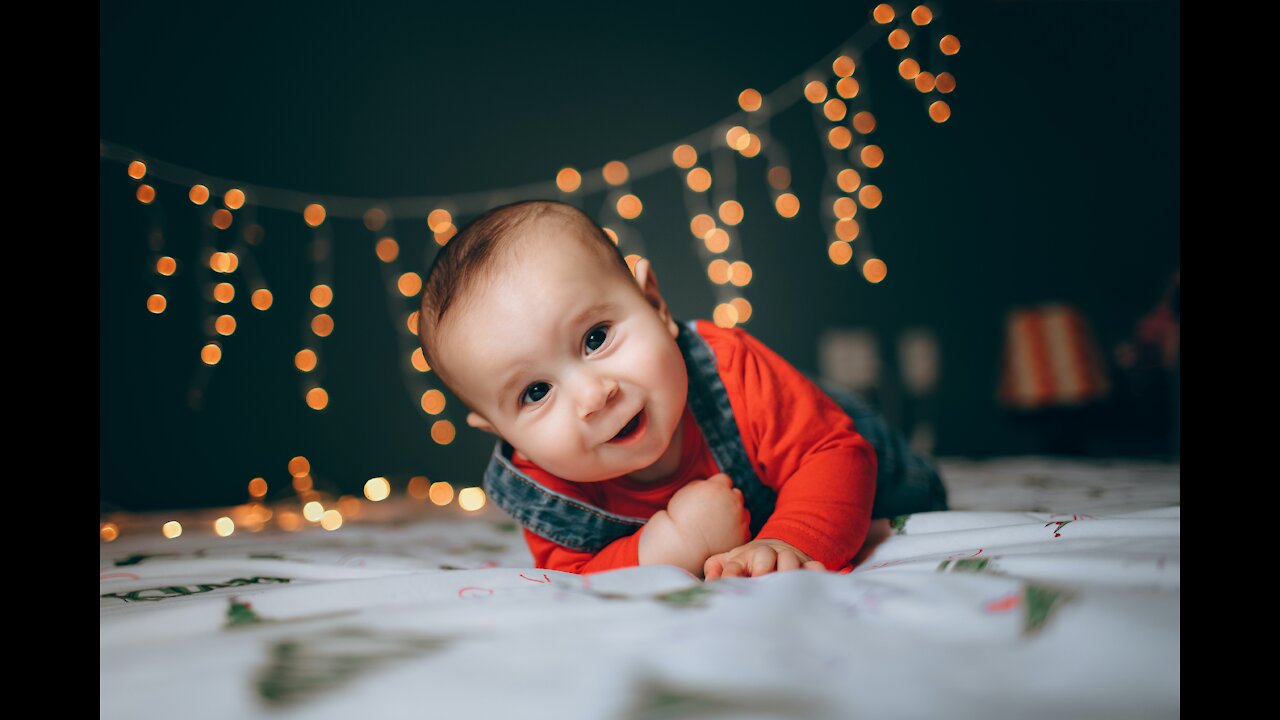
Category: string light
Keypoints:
(845, 208)
(321, 296)
(233, 199)
(419, 361)
(740, 273)
(258, 487)
(779, 177)
(331, 520)
(314, 214)
(225, 325)
(848, 180)
(699, 179)
(701, 224)
(146, 194)
(847, 229)
(899, 39)
(224, 526)
(843, 66)
(305, 360)
(471, 499)
(870, 196)
(375, 219)
(717, 240)
(261, 298)
(443, 237)
(233, 261)
(219, 263)
(299, 466)
(815, 91)
(171, 529)
(743, 307)
(874, 270)
(109, 532)
(787, 205)
(883, 13)
(864, 122)
(439, 220)
(737, 137)
(137, 169)
(753, 146)
(731, 212)
(317, 398)
(839, 252)
(289, 521)
(725, 315)
(442, 432)
(418, 487)
(322, 325)
(749, 100)
(684, 156)
(211, 354)
(945, 82)
(909, 69)
(199, 194)
(377, 489)
(925, 82)
(313, 511)
(630, 207)
(410, 284)
(719, 271)
(613, 235)
(939, 111)
(568, 180)
(949, 44)
(921, 15)
(834, 110)
(302, 484)
(224, 292)
(847, 88)
(412, 322)
(441, 493)
(157, 304)
(840, 137)
(433, 402)
(872, 156)
(615, 172)
(631, 262)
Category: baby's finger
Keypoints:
(722, 479)
(733, 568)
(763, 560)
(788, 561)
(815, 565)
(713, 568)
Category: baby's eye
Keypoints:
(535, 392)
(597, 336)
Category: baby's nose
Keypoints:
(595, 396)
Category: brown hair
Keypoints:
(470, 259)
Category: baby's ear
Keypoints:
(648, 282)
(478, 422)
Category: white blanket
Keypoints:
(963, 614)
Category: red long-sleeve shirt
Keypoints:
(799, 441)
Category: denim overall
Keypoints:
(905, 482)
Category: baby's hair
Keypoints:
(470, 259)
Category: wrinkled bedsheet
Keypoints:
(983, 611)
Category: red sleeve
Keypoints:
(623, 552)
(806, 448)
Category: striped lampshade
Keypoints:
(1051, 359)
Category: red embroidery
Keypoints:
(487, 592)
(1004, 604)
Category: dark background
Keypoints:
(1056, 179)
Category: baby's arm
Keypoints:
(703, 518)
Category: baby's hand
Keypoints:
(759, 557)
(712, 513)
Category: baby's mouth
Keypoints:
(629, 428)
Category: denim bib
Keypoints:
(905, 482)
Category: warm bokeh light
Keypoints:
(883, 13)
(331, 520)
(834, 109)
(258, 487)
(847, 88)
(717, 240)
(699, 179)
(848, 180)
(261, 298)
(844, 208)
(224, 292)
(613, 235)
(701, 224)
(949, 44)
(444, 236)
(299, 466)
(289, 521)
(719, 271)
(375, 219)
(684, 156)
(233, 261)
(233, 199)
(872, 156)
(630, 207)
(172, 529)
(870, 197)
(313, 511)
(321, 296)
(874, 270)
(815, 91)
(387, 249)
(840, 252)
(922, 15)
(568, 179)
(843, 66)
(211, 354)
(322, 325)
(748, 100)
(616, 172)
(305, 360)
(411, 322)
(441, 493)
(939, 111)
(743, 307)
(736, 137)
(219, 262)
(945, 82)
(377, 489)
(302, 484)
(137, 169)
(442, 432)
(787, 205)
(418, 488)
(753, 146)
(439, 220)
(779, 177)
(631, 262)
(740, 273)
(109, 532)
(925, 82)
(909, 69)
(225, 325)
(224, 526)
(146, 194)
(899, 39)
(156, 303)
(731, 212)
(725, 315)
(199, 194)
(314, 214)
(410, 284)
(847, 230)
(317, 398)
(433, 402)
(864, 122)
(840, 137)
(471, 499)
(419, 360)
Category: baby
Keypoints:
(626, 437)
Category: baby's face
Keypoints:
(560, 353)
